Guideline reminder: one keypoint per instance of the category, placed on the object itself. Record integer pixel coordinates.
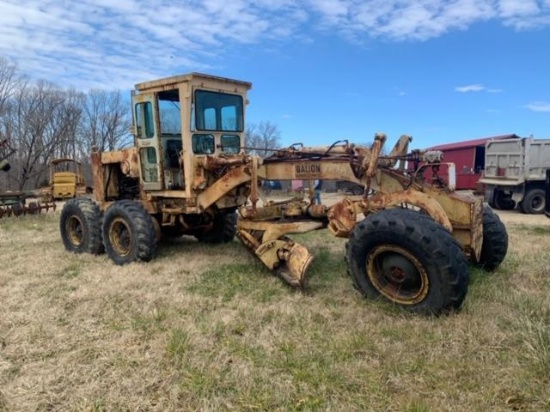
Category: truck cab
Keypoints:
(180, 124)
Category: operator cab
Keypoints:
(180, 119)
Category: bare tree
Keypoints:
(42, 121)
(8, 83)
(67, 122)
(9, 80)
(263, 138)
(40, 124)
(105, 122)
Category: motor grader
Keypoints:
(410, 238)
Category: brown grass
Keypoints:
(208, 328)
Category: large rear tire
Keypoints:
(222, 229)
(408, 259)
(495, 241)
(533, 202)
(80, 226)
(128, 233)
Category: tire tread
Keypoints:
(441, 251)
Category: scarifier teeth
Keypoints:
(19, 209)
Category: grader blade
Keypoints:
(287, 258)
(292, 260)
(296, 262)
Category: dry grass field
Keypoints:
(208, 328)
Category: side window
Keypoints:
(144, 120)
(169, 112)
(203, 143)
(231, 143)
(149, 165)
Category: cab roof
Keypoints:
(170, 82)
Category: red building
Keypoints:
(469, 159)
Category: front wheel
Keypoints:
(128, 233)
(495, 241)
(408, 259)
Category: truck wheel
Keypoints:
(407, 258)
(128, 233)
(222, 230)
(495, 241)
(533, 202)
(503, 201)
(80, 226)
(357, 190)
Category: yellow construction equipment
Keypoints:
(410, 237)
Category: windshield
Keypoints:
(218, 111)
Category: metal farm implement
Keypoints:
(14, 203)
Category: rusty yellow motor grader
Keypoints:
(189, 174)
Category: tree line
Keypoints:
(42, 121)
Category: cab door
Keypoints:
(148, 141)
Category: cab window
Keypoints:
(203, 143)
(169, 112)
(144, 120)
(231, 143)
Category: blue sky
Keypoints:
(322, 70)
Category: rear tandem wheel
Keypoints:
(533, 202)
(222, 229)
(80, 226)
(128, 233)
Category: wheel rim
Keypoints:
(537, 203)
(120, 237)
(397, 275)
(75, 230)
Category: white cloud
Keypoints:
(94, 43)
(539, 106)
(421, 20)
(476, 88)
(515, 8)
(470, 88)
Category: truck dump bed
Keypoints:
(515, 161)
